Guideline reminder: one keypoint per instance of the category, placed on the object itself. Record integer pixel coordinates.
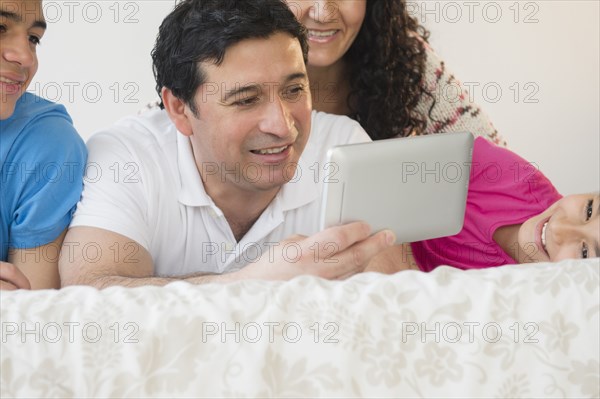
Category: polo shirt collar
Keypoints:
(298, 192)
(191, 192)
(301, 190)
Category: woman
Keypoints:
(370, 60)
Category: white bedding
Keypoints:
(525, 331)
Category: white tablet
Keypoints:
(415, 186)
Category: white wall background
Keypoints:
(534, 67)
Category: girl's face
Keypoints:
(332, 27)
(569, 229)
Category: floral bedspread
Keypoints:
(514, 331)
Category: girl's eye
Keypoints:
(589, 210)
(2, 28)
(35, 40)
(584, 251)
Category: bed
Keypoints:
(513, 331)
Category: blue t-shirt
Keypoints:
(42, 160)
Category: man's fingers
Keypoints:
(5, 286)
(346, 276)
(355, 259)
(362, 252)
(337, 252)
(341, 237)
(12, 275)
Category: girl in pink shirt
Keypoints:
(513, 215)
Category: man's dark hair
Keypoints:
(203, 30)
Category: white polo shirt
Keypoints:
(142, 182)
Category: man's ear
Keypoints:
(178, 111)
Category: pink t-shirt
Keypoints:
(504, 189)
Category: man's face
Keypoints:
(254, 116)
(22, 26)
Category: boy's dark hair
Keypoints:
(202, 30)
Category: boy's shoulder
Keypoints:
(31, 106)
(40, 128)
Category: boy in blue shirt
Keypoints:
(42, 158)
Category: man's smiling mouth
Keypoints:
(270, 151)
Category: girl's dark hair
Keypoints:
(202, 30)
(387, 67)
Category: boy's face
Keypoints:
(254, 116)
(569, 229)
(22, 25)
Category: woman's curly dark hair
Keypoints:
(387, 64)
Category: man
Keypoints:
(42, 158)
(206, 189)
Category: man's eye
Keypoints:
(584, 251)
(293, 92)
(2, 28)
(244, 102)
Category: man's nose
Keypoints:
(278, 120)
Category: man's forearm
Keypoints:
(355, 247)
(132, 282)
